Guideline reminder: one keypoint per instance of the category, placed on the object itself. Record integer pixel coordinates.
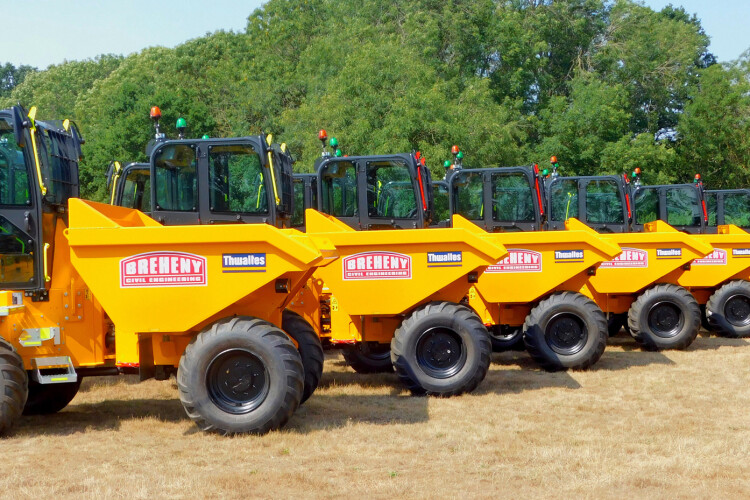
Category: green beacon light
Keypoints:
(334, 142)
(460, 155)
(339, 154)
(205, 136)
(447, 164)
(545, 172)
(181, 126)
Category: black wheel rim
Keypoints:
(237, 381)
(379, 352)
(566, 333)
(737, 310)
(440, 352)
(665, 319)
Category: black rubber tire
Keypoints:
(704, 320)
(369, 357)
(727, 310)
(453, 330)
(683, 311)
(283, 378)
(615, 322)
(49, 398)
(506, 338)
(558, 313)
(14, 386)
(309, 347)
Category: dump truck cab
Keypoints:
(515, 195)
(727, 206)
(682, 206)
(221, 181)
(130, 186)
(376, 192)
(601, 202)
(38, 174)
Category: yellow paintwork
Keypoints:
(369, 307)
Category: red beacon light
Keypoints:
(553, 159)
(155, 113)
(637, 170)
(455, 149)
(322, 135)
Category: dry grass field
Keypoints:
(670, 425)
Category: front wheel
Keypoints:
(441, 349)
(14, 386)
(566, 331)
(665, 316)
(728, 310)
(241, 375)
(309, 347)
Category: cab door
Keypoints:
(21, 250)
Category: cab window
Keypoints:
(236, 181)
(339, 189)
(711, 208)
(468, 195)
(603, 203)
(737, 209)
(136, 190)
(14, 180)
(646, 203)
(390, 193)
(563, 197)
(441, 205)
(176, 183)
(683, 207)
(298, 215)
(512, 198)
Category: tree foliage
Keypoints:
(606, 85)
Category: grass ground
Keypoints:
(671, 425)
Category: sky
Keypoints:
(43, 32)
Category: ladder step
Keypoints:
(64, 362)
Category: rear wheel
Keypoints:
(14, 386)
(369, 357)
(728, 310)
(241, 375)
(566, 331)
(506, 338)
(665, 316)
(309, 347)
(441, 349)
(45, 399)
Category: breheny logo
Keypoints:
(741, 252)
(568, 255)
(243, 262)
(716, 258)
(630, 257)
(155, 269)
(518, 260)
(377, 266)
(444, 259)
(668, 253)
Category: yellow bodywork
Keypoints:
(381, 275)
(158, 285)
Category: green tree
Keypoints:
(11, 77)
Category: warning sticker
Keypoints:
(518, 260)
(716, 258)
(163, 269)
(377, 266)
(630, 257)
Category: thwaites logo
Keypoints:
(518, 260)
(741, 252)
(444, 259)
(155, 269)
(377, 266)
(243, 263)
(716, 258)
(668, 253)
(568, 255)
(630, 257)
